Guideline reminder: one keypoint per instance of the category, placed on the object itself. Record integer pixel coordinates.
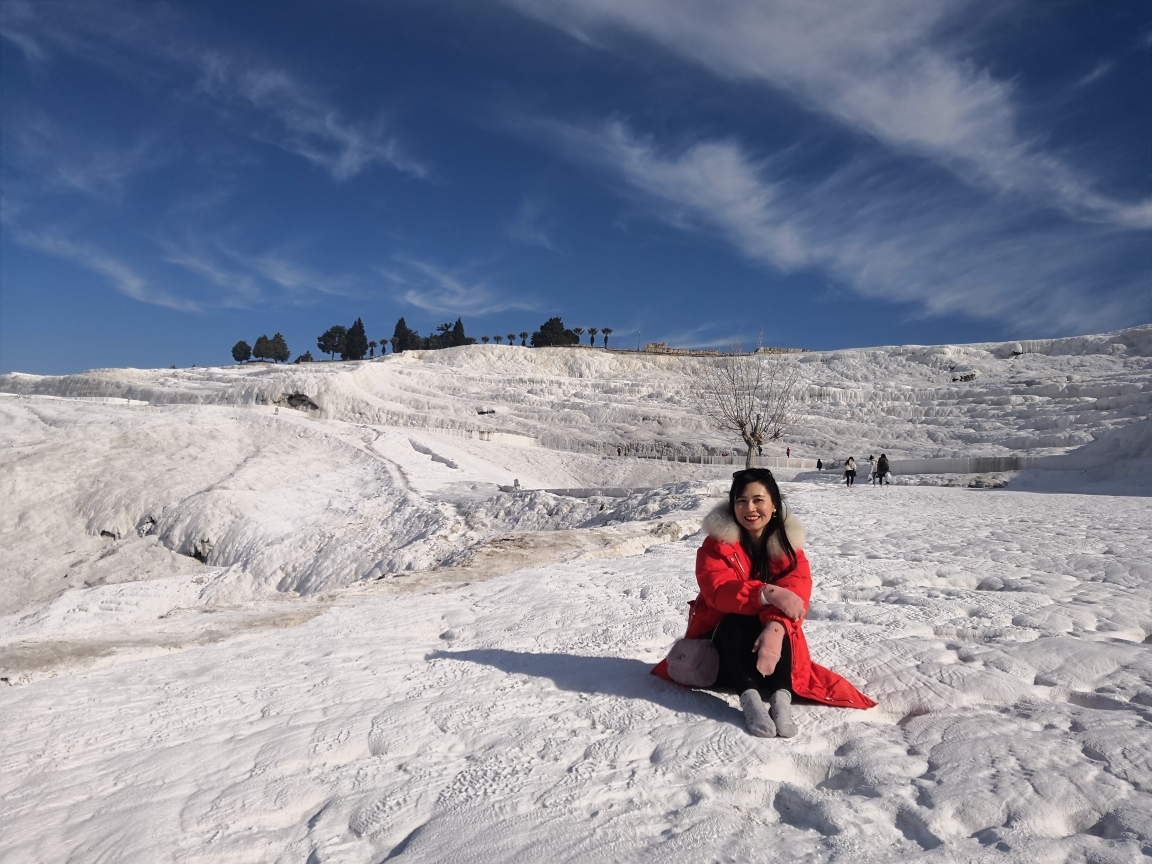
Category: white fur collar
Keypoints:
(719, 525)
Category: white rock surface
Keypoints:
(1058, 395)
(382, 656)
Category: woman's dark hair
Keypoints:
(758, 551)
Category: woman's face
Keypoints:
(754, 509)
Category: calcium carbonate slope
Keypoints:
(241, 630)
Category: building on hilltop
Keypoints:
(767, 349)
(662, 348)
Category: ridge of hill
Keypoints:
(1029, 398)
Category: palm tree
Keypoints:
(484, 339)
(607, 332)
(383, 347)
(524, 338)
(497, 339)
(511, 338)
(372, 349)
(579, 331)
(592, 331)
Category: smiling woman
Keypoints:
(755, 587)
(201, 168)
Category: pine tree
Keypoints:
(332, 340)
(458, 337)
(241, 352)
(262, 350)
(306, 357)
(405, 338)
(553, 332)
(355, 342)
(280, 351)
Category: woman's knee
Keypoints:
(736, 631)
(735, 625)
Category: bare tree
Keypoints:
(753, 395)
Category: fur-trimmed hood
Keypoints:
(719, 525)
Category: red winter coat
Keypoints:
(723, 568)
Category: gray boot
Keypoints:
(756, 715)
(780, 709)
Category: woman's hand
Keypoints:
(784, 600)
(768, 646)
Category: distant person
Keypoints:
(850, 471)
(759, 449)
(617, 451)
(788, 453)
(755, 585)
(819, 464)
(871, 469)
(883, 469)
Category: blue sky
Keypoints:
(834, 173)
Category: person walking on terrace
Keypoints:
(883, 470)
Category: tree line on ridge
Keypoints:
(352, 343)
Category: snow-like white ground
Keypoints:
(236, 632)
(907, 401)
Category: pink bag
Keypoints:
(694, 662)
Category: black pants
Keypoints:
(733, 638)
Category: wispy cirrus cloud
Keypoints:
(14, 19)
(64, 161)
(711, 186)
(435, 288)
(241, 289)
(882, 238)
(248, 279)
(298, 280)
(301, 120)
(122, 277)
(527, 227)
(881, 67)
(155, 45)
(1099, 71)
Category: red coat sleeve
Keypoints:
(723, 584)
(799, 582)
